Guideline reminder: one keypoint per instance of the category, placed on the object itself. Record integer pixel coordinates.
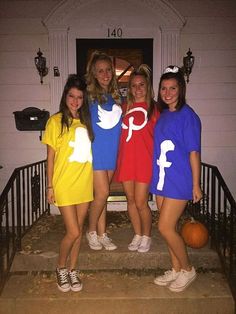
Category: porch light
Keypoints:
(40, 63)
(188, 62)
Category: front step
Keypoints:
(115, 292)
(40, 250)
(125, 287)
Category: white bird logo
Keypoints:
(109, 119)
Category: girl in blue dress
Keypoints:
(106, 114)
(176, 172)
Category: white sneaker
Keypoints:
(167, 278)
(93, 242)
(75, 283)
(63, 282)
(134, 245)
(183, 280)
(107, 242)
(145, 244)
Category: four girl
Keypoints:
(75, 175)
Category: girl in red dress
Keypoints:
(134, 167)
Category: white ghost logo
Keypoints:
(82, 146)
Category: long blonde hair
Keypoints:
(144, 71)
(95, 91)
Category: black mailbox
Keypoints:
(31, 119)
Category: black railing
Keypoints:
(22, 203)
(217, 210)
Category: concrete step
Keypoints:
(40, 250)
(114, 282)
(116, 292)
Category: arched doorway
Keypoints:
(71, 20)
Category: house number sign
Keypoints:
(114, 32)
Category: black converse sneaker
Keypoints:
(63, 282)
(75, 282)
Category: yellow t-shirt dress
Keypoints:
(73, 173)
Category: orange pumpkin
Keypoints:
(194, 233)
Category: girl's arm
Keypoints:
(196, 171)
(50, 168)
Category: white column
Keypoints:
(170, 39)
(58, 51)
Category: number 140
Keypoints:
(115, 32)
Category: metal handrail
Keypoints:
(22, 203)
(217, 210)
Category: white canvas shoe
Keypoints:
(145, 244)
(93, 242)
(107, 242)
(167, 278)
(135, 243)
(184, 279)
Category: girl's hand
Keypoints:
(50, 196)
(197, 194)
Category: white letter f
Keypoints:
(162, 162)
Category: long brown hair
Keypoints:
(74, 81)
(173, 72)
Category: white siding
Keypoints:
(210, 32)
(21, 35)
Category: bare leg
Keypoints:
(174, 260)
(97, 214)
(81, 211)
(129, 190)
(101, 225)
(73, 232)
(170, 212)
(141, 201)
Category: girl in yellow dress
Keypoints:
(68, 137)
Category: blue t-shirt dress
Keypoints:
(106, 123)
(176, 134)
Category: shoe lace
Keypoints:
(144, 241)
(74, 278)
(106, 239)
(93, 238)
(167, 274)
(135, 240)
(63, 276)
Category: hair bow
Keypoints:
(173, 69)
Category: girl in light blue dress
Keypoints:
(106, 114)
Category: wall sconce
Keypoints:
(188, 63)
(40, 63)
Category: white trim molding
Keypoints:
(62, 20)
